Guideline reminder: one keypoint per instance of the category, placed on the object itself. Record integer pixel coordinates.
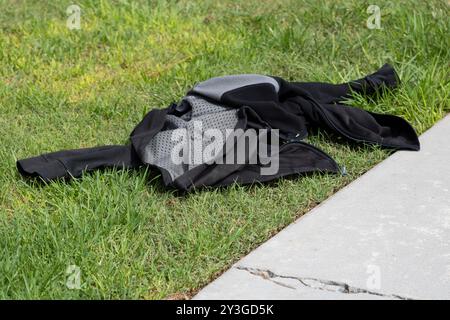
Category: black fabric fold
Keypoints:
(294, 158)
(152, 123)
(263, 99)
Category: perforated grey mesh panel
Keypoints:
(211, 116)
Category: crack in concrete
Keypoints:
(319, 284)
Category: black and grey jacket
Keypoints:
(247, 102)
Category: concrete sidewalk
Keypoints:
(384, 236)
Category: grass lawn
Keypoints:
(62, 88)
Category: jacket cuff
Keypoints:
(43, 167)
(384, 77)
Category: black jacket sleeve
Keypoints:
(321, 105)
(72, 163)
(328, 93)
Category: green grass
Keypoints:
(70, 89)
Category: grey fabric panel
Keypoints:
(212, 116)
(214, 88)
